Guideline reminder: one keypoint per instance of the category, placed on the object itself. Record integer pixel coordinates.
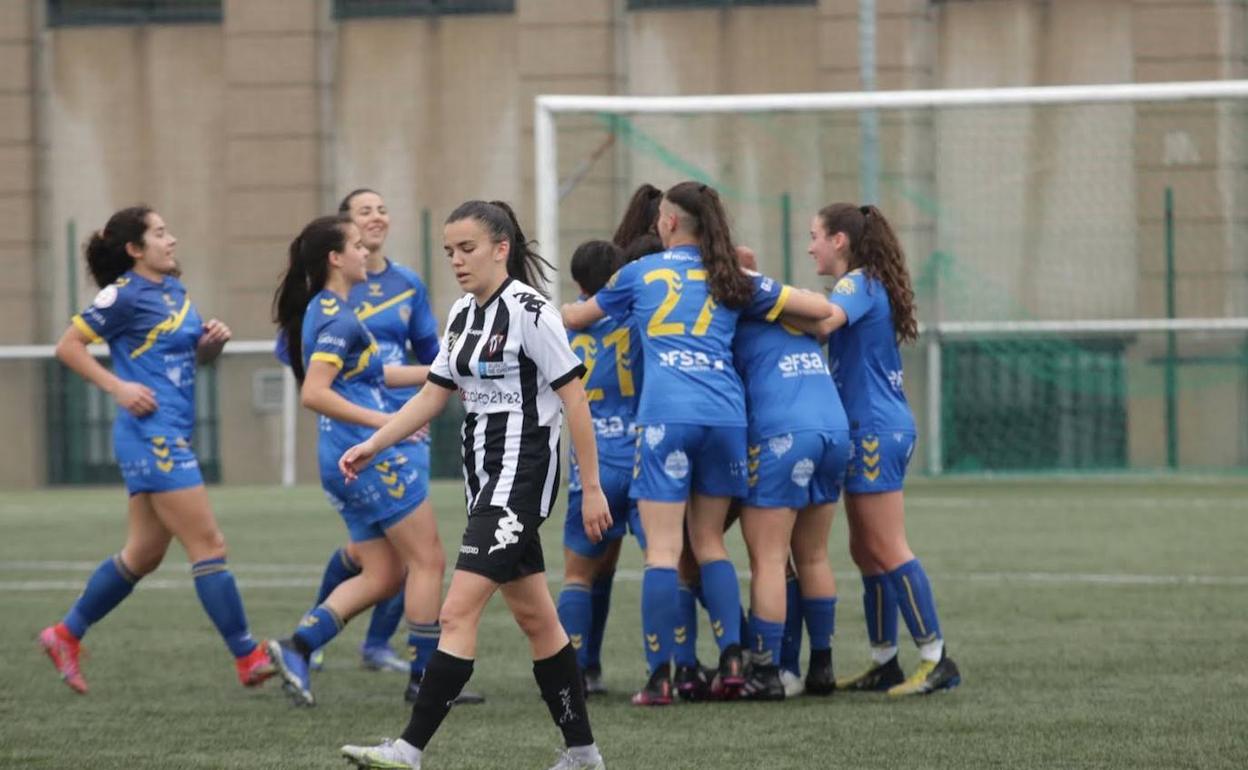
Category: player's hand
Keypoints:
(595, 514)
(215, 333)
(138, 400)
(356, 459)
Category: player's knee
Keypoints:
(531, 621)
(143, 561)
(209, 545)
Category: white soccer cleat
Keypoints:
(580, 758)
(394, 755)
(793, 686)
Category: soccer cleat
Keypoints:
(793, 686)
(579, 758)
(693, 683)
(593, 682)
(465, 697)
(878, 678)
(819, 679)
(383, 659)
(396, 755)
(730, 676)
(254, 667)
(763, 683)
(929, 677)
(294, 670)
(316, 661)
(64, 651)
(658, 689)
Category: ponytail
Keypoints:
(107, 258)
(306, 272)
(725, 280)
(523, 263)
(639, 217)
(874, 247)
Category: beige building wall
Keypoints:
(241, 132)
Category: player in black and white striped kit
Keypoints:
(506, 353)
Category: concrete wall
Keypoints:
(240, 132)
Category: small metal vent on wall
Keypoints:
(266, 390)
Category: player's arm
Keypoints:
(579, 315)
(317, 395)
(211, 342)
(404, 376)
(71, 350)
(821, 328)
(414, 415)
(595, 513)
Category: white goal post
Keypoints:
(549, 107)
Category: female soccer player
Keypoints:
(609, 350)
(339, 366)
(155, 338)
(873, 311)
(507, 355)
(691, 417)
(798, 450)
(640, 217)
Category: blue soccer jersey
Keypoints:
(686, 336)
(611, 352)
(152, 331)
(394, 305)
(787, 385)
(865, 361)
(333, 334)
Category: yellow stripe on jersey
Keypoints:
(86, 329)
(778, 308)
(367, 310)
(362, 363)
(328, 358)
(167, 326)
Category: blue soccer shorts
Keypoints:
(794, 470)
(154, 463)
(878, 461)
(674, 459)
(383, 494)
(615, 483)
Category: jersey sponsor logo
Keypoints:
(845, 286)
(174, 373)
(676, 465)
(766, 284)
(612, 427)
(330, 340)
(780, 445)
(532, 303)
(489, 397)
(508, 532)
(106, 297)
(654, 435)
(496, 369)
(471, 550)
(689, 360)
(801, 363)
(803, 469)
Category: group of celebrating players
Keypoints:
(696, 393)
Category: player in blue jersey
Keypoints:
(873, 311)
(610, 352)
(155, 338)
(798, 451)
(343, 379)
(691, 417)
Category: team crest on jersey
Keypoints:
(654, 435)
(845, 286)
(106, 297)
(168, 298)
(803, 469)
(676, 465)
(494, 344)
(780, 445)
(405, 314)
(374, 290)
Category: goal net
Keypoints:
(1079, 254)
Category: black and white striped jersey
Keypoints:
(507, 359)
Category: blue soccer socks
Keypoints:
(576, 614)
(218, 593)
(111, 583)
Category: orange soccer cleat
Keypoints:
(64, 650)
(255, 667)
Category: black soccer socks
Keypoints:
(444, 677)
(559, 679)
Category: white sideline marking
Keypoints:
(297, 576)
